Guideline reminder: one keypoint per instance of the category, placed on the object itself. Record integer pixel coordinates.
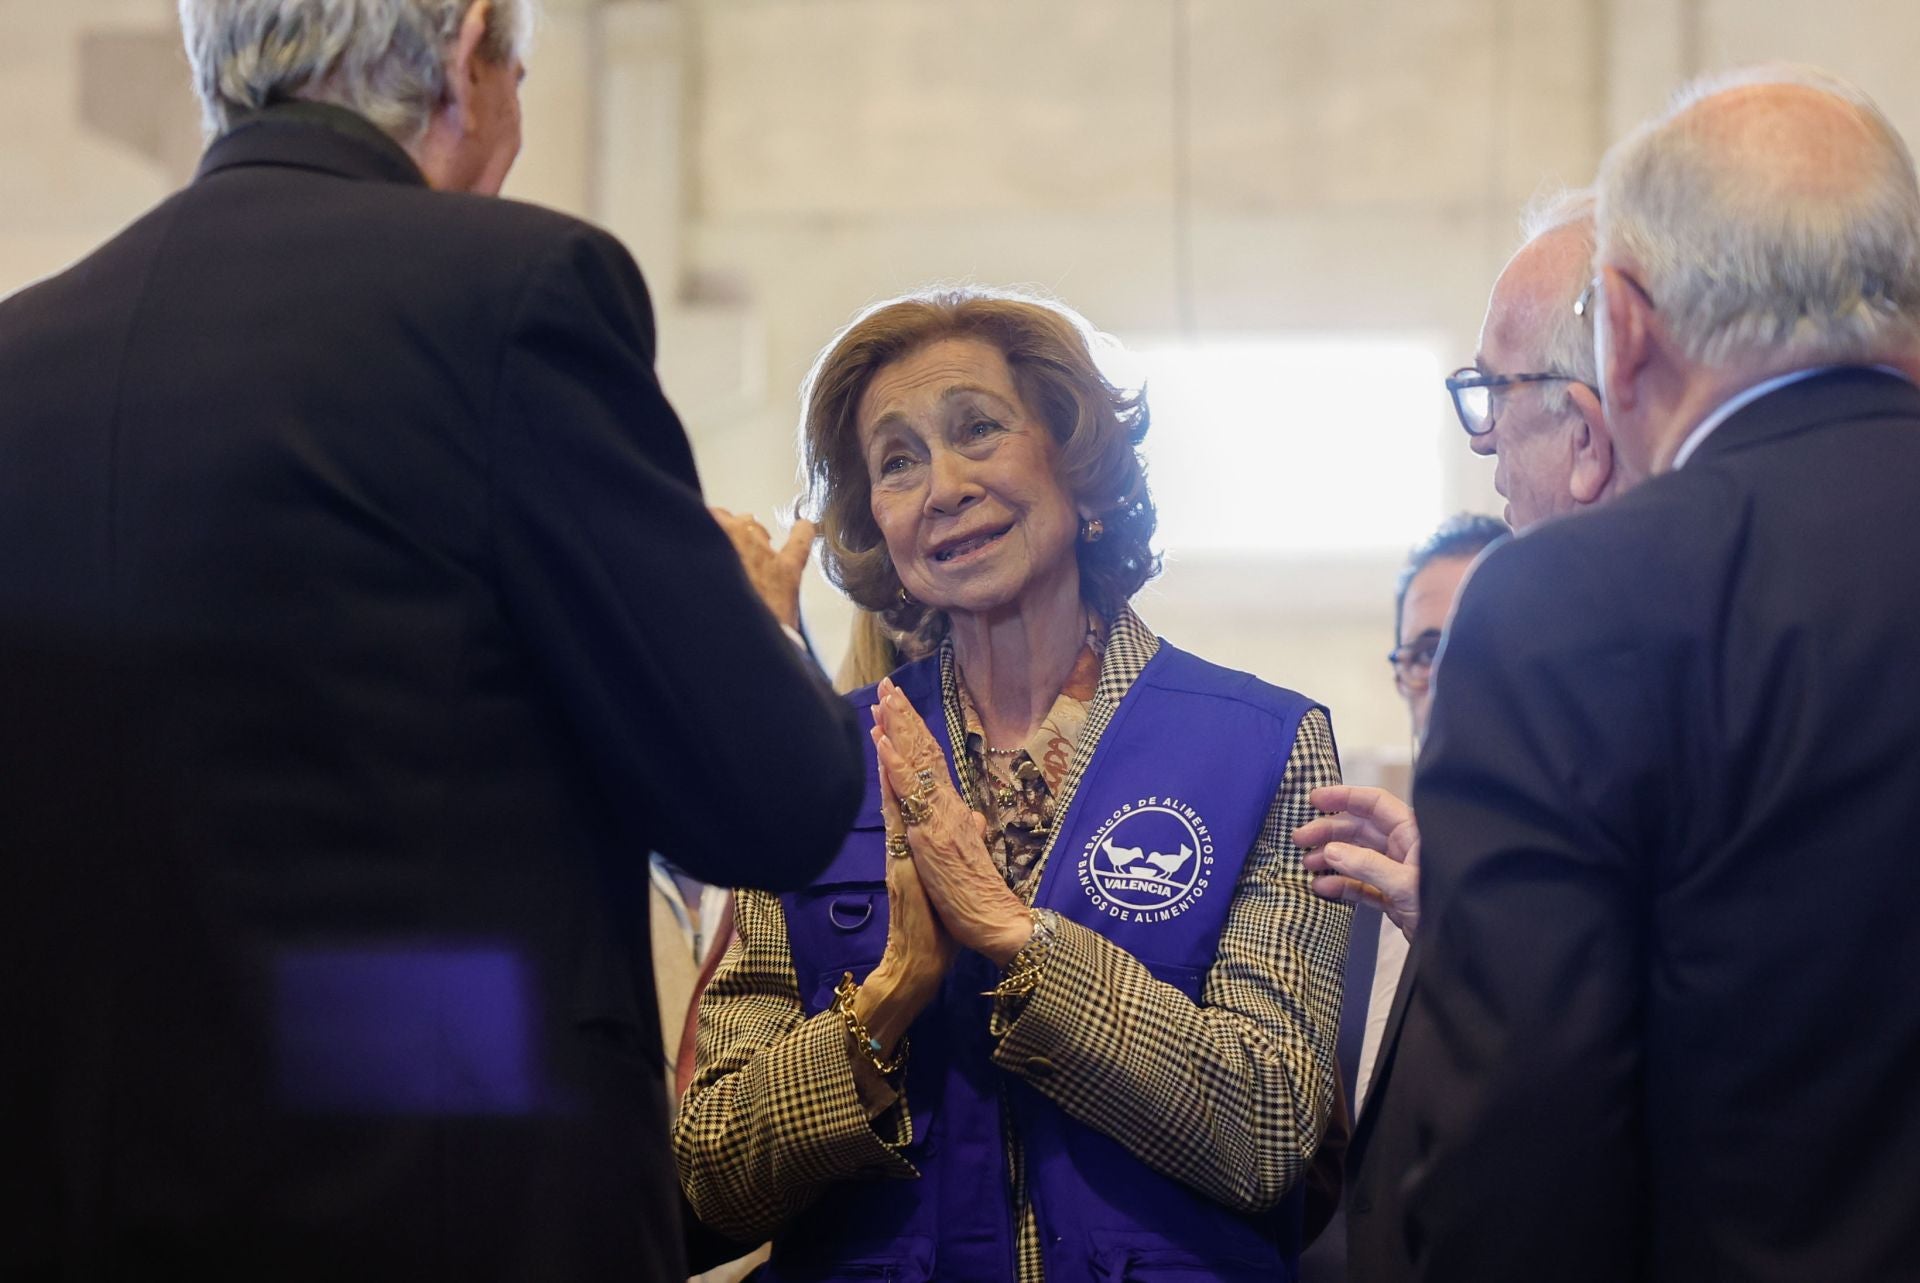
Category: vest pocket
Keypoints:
(844, 928)
(1116, 1260)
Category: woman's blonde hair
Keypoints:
(1097, 427)
(872, 653)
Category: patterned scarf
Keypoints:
(1018, 789)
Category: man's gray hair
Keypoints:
(1568, 345)
(1740, 266)
(385, 59)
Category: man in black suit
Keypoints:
(1531, 400)
(1660, 1020)
(1377, 943)
(362, 628)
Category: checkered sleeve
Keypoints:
(773, 1116)
(1230, 1095)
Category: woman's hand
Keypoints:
(949, 847)
(1365, 850)
(919, 947)
(775, 575)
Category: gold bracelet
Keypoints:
(1023, 970)
(843, 1003)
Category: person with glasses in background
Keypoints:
(1530, 401)
(1386, 909)
(1660, 1022)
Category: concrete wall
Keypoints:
(1193, 167)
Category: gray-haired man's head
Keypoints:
(1768, 222)
(440, 77)
(1548, 435)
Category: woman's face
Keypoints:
(962, 482)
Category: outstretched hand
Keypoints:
(776, 575)
(1365, 850)
(949, 846)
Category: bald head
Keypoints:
(1770, 222)
(1808, 140)
(1773, 212)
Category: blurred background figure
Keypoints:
(1530, 399)
(1382, 882)
(1429, 585)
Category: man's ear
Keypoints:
(1623, 343)
(1592, 475)
(464, 63)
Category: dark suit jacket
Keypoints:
(361, 629)
(1663, 1021)
(1379, 1157)
(1324, 1259)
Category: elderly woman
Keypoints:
(1064, 1006)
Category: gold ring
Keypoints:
(917, 806)
(898, 847)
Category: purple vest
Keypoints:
(1148, 855)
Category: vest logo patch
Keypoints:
(1148, 862)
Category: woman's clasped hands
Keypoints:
(969, 897)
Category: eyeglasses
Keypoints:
(1413, 662)
(1473, 391)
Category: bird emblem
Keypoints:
(1128, 860)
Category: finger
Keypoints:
(1347, 891)
(1378, 805)
(799, 545)
(889, 800)
(894, 767)
(1340, 828)
(1395, 881)
(908, 731)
